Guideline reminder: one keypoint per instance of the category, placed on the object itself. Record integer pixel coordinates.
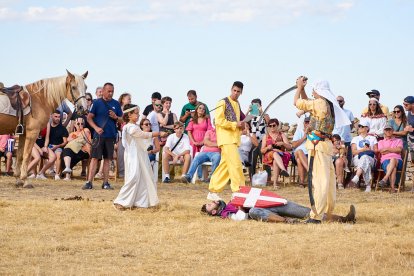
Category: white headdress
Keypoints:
(323, 89)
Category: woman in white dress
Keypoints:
(139, 189)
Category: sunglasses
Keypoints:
(360, 126)
(406, 104)
(340, 101)
(146, 124)
(79, 124)
(372, 104)
(272, 125)
(158, 105)
(397, 111)
(88, 99)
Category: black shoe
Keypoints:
(87, 186)
(166, 180)
(284, 173)
(314, 221)
(107, 186)
(186, 179)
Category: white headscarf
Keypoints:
(323, 89)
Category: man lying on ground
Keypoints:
(289, 213)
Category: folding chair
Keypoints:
(402, 172)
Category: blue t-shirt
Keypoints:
(101, 109)
(410, 121)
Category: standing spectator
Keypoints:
(177, 148)
(189, 108)
(398, 123)
(345, 131)
(140, 188)
(259, 130)
(78, 148)
(98, 92)
(153, 116)
(364, 147)
(4, 152)
(274, 150)
(376, 95)
(123, 100)
(300, 151)
(155, 96)
(229, 124)
(103, 117)
(409, 107)
(55, 141)
(64, 108)
(197, 127)
(376, 118)
(166, 118)
(209, 152)
(391, 161)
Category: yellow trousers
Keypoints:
(324, 184)
(230, 168)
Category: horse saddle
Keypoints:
(19, 99)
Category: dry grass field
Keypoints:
(41, 233)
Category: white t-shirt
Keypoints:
(359, 141)
(181, 147)
(153, 118)
(345, 131)
(299, 133)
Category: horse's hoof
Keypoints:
(19, 183)
(28, 186)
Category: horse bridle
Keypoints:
(75, 100)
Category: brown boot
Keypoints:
(350, 217)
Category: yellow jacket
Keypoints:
(227, 131)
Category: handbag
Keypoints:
(260, 178)
(76, 144)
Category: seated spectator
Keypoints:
(299, 150)
(339, 159)
(376, 119)
(248, 141)
(55, 141)
(37, 155)
(274, 150)
(391, 161)
(364, 147)
(177, 148)
(209, 152)
(6, 152)
(197, 127)
(77, 149)
(152, 144)
(398, 123)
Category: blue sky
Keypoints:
(176, 45)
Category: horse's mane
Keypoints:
(54, 89)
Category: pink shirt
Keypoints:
(211, 134)
(3, 141)
(390, 143)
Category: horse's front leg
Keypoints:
(22, 139)
(27, 152)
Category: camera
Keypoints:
(276, 147)
(150, 148)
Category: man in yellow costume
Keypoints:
(325, 114)
(229, 125)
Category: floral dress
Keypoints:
(268, 156)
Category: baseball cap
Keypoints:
(388, 126)
(373, 92)
(364, 123)
(409, 99)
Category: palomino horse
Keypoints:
(46, 95)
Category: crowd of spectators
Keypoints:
(376, 139)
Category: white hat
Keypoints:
(364, 122)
